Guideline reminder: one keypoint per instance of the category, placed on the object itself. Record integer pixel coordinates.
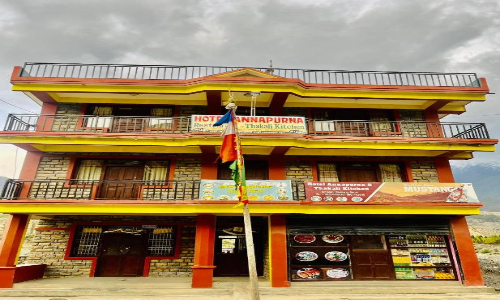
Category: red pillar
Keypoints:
(277, 169)
(444, 170)
(466, 252)
(278, 251)
(9, 248)
(203, 268)
(208, 166)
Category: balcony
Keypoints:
(182, 125)
(172, 72)
(53, 196)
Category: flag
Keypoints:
(228, 149)
(231, 151)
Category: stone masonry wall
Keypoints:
(180, 267)
(424, 171)
(413, 129)
(188, 169)
(297, 170)
(62, 123)
(49, 246)
(53, 168)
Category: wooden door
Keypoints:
(370, 258)
(115, 185)
(231, 252)
(122, 255)
(129, 124)
(353, 174)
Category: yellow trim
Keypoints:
(155, 209)
(247, 141)
(244, 87)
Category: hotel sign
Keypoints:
(390, 192)
(266, 190)
(247, 124)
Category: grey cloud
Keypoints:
(410, 35)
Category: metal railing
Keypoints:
(91, 123)
(173, 72)
(402, 129)
(179, 125)
(74, 189)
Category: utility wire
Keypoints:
(16, 106)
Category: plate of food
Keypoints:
(308, 273)
(337, 273)
(328, 198)
(304, 238)
(341, 199)
(306, 256)
(208, 197)
(357, 199)
(268, 197)
(224, 197)
(336, 256)
(316, 198)
(332, 239)
(283, 197)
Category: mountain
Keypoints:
(486, 181)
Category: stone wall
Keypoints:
(62, 123)
(188, 169)
(298, 170)
(49, 246)
(52, 168)
(424, 171)
(413, 129)
(180, 267)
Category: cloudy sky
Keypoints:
(398, 35)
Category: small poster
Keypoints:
(265, 190)
(390, 192)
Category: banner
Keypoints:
(390, 192)
(247, 124)
(266, 190)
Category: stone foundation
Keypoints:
(49, 246)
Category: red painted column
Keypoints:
(208, 166)
(30, 167)
(203, 268)
(444, 170)
(277, 167)
(10, 246)
(45, 123)
(465, 248)
(278, 251)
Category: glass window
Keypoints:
(87, 241)
(390, 173)
(162, 112)
(156, 170)
(327, 172)
(162, 241)
(89, 169)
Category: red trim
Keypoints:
(147, 259)
(408, 171)
(204, 252)
(444, 170)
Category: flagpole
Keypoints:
(252, 265)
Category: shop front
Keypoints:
(371, 248)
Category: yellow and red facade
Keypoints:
(57, 135)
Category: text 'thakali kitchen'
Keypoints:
(348, 174)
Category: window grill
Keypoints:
(162, 240)
(327, 172)
(87, 241)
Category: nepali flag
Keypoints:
(228, 148)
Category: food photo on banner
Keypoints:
(265, 190)
(390, 192)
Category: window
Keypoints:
(156, 170)
(86, 241)
(327, 172)
(390, 173)
(162, 241)
(103, 111)
(89, 170)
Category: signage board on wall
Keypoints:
(266, 190)
(248, 124)
(390, 192)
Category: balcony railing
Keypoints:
(180, 125)
(172, 72)
(74, 189)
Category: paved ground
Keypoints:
(236, 289)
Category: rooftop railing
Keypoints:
(181, 125)
(74, 189)
(173, 72)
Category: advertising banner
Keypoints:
(267, 190)
(247, 124)
(390, 192)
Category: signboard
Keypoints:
(390, 192)
(266, 190)
(247, 124)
